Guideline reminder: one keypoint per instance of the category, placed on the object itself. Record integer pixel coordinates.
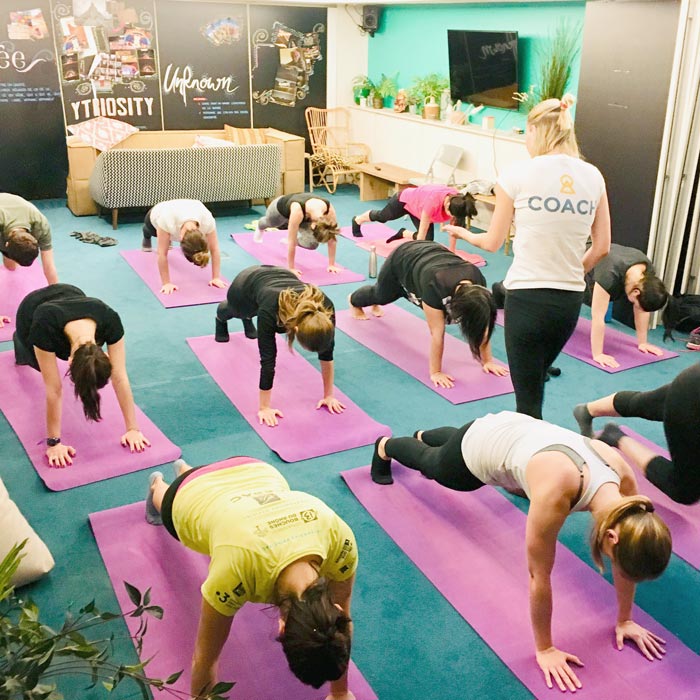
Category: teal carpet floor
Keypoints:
(409, 642)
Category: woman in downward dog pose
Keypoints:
(304, 565)
(310, 221)
(283, 304)
(560, 472)
(448, 289)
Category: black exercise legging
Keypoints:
(438, 455)
(238, 304)
(386, 290)
(149, 230)
(538, 322)
(395, 209)
(678, 405)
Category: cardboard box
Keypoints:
(292, 148)
(292, 181)
(79, 200)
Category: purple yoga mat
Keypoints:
(621, 346)
(312, 263)
(370, 232)
(304, 432)
(193, 281)
(148, 557)
(472, 548)
(403, 339)
(684, 521)
(99, 454)
(14, 286)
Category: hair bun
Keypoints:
(568, 100)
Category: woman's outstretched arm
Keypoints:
(213, 243)
(212, 633)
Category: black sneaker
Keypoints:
(356, 230)
(221, 333)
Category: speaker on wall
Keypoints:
(371, 15)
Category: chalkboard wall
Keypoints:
(156, 64)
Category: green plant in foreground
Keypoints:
(386, 86)
(33, 655)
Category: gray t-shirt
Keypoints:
(16, 212)
(610, 272)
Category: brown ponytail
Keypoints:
(644, 540)
(195, 248)
(305, 317)
(326, 229)
(90, 370)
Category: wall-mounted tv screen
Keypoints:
(483, 67)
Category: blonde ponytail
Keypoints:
(305, 317)
(644, 542)
(554, 126)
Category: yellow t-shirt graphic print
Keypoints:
(252, 526)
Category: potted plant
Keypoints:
(413, 98)
(34, 654)
(430, 87)
(555, 57)
(362, 86)
(385, 88)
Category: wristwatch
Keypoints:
(52, 442)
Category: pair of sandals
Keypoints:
(92, 237)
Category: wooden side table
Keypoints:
(381, 180)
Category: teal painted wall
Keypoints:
(412, 41)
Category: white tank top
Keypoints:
(498, 447)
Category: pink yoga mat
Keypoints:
(684, 521)
(193, 281)
(99, 452)
(304, 432)
(621, 346)
(373, 231)
(14, 286)
(403, 339)
(312, 263)
(148, 557)
(472, 548)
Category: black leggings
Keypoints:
(238, 304)
(538, 322)
(395, 209)
(438, 455)
(386, 290)
(149, 230)
(678, 405)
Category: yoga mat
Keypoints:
(621, 346)
(312, 263)
(99, 454)
(403, 339)
(193, 281)
(304, 432)
(375, 234)
(684, 521)
(148, 557)
(14, 286)
(472, 548)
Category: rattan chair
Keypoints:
(334, 158)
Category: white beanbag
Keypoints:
(36, 560)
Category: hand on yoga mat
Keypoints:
(332, 404)
(650, 349)
(649, 643)
(217, 282)
(606, 360)
(4, 320)
(135, 441)
(494, 368)
(268, 416)
(334, 269)
(441, 379)
(60, 455)
(555, 666)
(168, 288)
(296, 272)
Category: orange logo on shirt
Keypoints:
(567, 184)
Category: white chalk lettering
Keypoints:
(112, 106)
(17, 60)
(175, 81)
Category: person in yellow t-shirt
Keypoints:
(268, 544)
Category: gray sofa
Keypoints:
(142, 177)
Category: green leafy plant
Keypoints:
(387, 86)
(362, 86)
(556, 58)
(33, 654)
(427, 86)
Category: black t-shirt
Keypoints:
(44, 313)
(430, 273)
(262, 290)
(284, 205)
(610, 272)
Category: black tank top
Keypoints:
(284, 203)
